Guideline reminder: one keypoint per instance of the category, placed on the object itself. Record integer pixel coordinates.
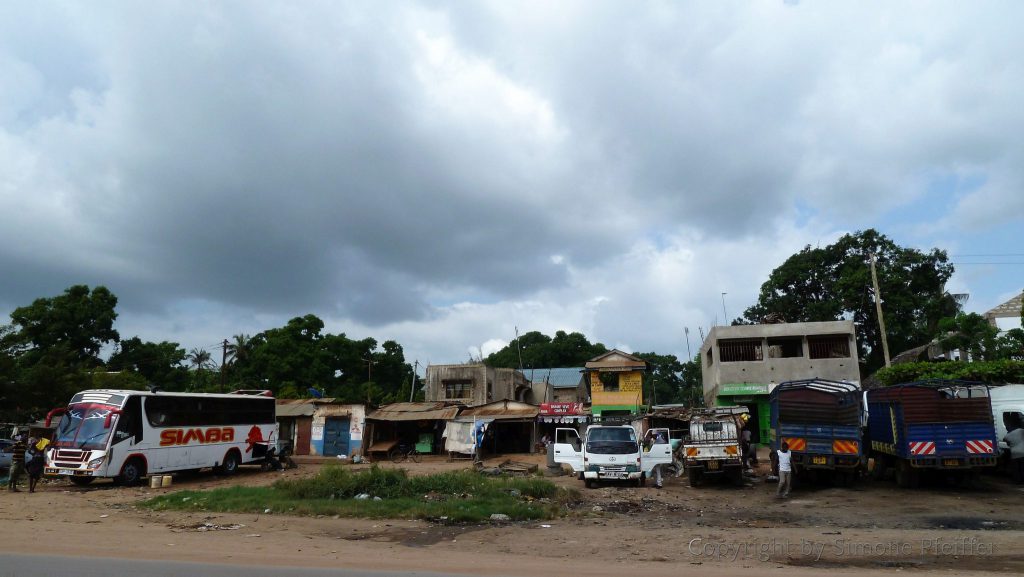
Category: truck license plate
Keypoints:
(712, 465)
(819, 461)
(951, 462)
(65, 472)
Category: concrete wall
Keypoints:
(356, 426)
(487, 383)
(769, 370)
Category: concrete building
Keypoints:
(477, 384)
(564, 385)
(616, 384)
(321, 426)
(742, 364)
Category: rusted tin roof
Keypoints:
(414, 412)
(295, 407)
(504, 410)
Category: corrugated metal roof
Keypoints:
(559, 378)
(504, 410)
(414, 412)
(295, 407)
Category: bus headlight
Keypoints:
(95, 463)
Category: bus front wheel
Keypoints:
(82, 481)
(132, 473)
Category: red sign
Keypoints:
(561, 408)
(172, 437)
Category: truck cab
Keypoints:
(714, 445)
(611, 453)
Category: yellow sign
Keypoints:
(630, 382)
(595, 382)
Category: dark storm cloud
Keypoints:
(371, 161)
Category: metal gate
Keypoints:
(336, 437)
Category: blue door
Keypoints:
(336, 437)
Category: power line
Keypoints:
(989, 263)
(990, 254)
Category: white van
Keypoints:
(1007, 405)
(611, 452)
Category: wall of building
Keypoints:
(767, 364)
(356, 415)
(485, 384)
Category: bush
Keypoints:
(994, 372)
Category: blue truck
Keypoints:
(940, 426)
(822, 422)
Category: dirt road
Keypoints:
(872, 527)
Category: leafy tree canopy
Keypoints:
(834, 283)
(540, 351)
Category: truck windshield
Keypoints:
(612, 441)
(82, 427)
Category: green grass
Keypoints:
(461, 496)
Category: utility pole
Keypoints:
(878, 309)
(519, 349)
(223, 364)
(412, 389)
(688, 351)
(725, 317)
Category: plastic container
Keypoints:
(166, 482)
(155, 482)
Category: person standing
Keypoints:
(650, 440)
(785, 471)
(17, 462)
(33, 463)
(1015, 440)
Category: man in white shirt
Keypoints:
(1015, 440)
(785, 470)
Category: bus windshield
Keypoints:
(82, 426)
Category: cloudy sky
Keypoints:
(441, 173)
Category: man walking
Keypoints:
(785, 471)
(17, 462)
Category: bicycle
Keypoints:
(404, 452)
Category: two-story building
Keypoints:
(616, 385)
(477, 384)
(742, 364)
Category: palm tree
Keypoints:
(238, 350)
(199, 359)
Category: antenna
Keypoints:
(412, 388)
(519, 349)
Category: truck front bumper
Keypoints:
(611, 475)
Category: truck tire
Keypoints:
(589, 483)
(878, 468)
(736, 476)
(693, 474)
(906, 476)
(642, 481)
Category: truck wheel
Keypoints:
(82, 481)
(590, 483)
(736, 475)
(693, 474)
(878, 468)
(906, 476)
(642, 481)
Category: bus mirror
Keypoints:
(110, 415)
(52, 414)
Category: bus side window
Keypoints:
(129, 424)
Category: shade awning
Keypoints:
(414, 412)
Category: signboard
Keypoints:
(595, 382)
(317, 432)
(743, 389)
(630, 382)
(355, 432)
(561, 408)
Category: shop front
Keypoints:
(753, 396)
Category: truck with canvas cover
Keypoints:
(821, 422)
(713, 448)
(611, 453)
(938, 425)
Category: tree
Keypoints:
(540, 351)
(52, 348)
(160, 364)
(834, 283)
(972, 335)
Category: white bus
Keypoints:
(128, 435)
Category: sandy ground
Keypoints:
(715, 529)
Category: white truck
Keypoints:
(713, 448)
(611, 452)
